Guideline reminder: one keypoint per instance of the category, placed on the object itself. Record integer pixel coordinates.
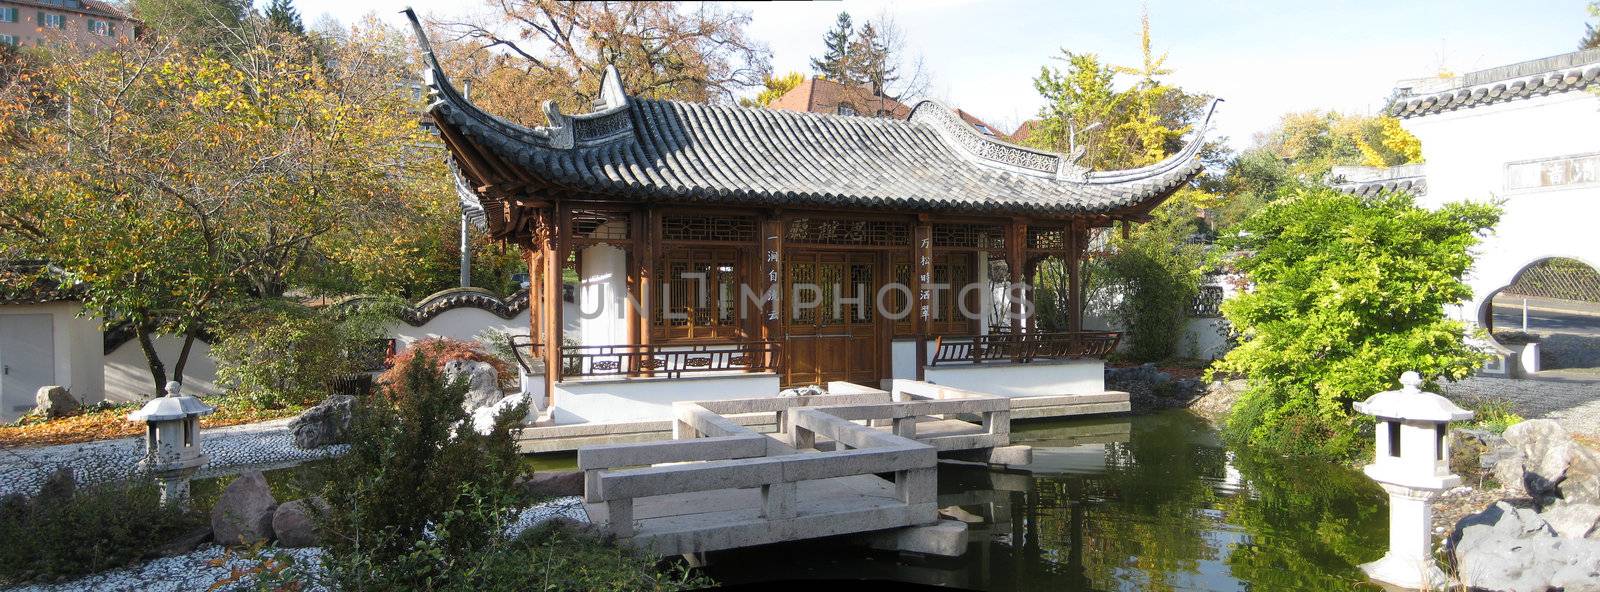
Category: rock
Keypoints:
(483, 417)
(58, 486)
(1516, 549)
(1573, 520)
(1553, 466)
(483, 383)
(295, 522)
(551, 483)
(185, 542)
(804, 391)
(54, 402)
(325, 424)
(243, 515)
(1218, 400)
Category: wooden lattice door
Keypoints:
(837, 339)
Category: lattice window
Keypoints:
(899, 301)
(1207, 303)
(697, 296)
(829, 231)
(802, 273)
(984, 237)
(1047, 238)
(955, 272)
(708, 228)
(600, 225)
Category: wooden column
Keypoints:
(922, 275)
(770, 285)
(1076, 244)
(553, 252)
(642, 257)
(1016, 245)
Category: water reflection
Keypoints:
(1144, 503)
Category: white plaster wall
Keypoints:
(1041, 378)
(460, 323)
(1202, 339)
(1467, 152)
(127, 376)
(644, 399)
(903, 358)
(76, 347)
(601, 308)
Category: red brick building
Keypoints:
(85, 22)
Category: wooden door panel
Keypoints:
(838, 339)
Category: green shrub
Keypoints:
(1151, 278)
(1348, 293)
(280, 355)
(415, 466)
(98, 527)
(1492, 414)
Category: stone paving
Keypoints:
(194, 571)
(232, 449)
(1575, 403)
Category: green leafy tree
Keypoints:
(1148, 284)
(1348, 293)
(773, 88)
(836, 61)
(284, 17)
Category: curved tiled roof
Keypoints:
(1366, 181)
(1571, 71)
(655, 150)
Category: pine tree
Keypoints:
(835, 62)
(1591, 38)
(284, 17)
(871, 63)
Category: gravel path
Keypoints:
(193, 571)
(232, 449)
(1575, 403)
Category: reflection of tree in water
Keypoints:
(1165, 516)
(1310, 525)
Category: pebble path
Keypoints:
(193, 571)
(232, 449)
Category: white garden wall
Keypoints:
(643, 399)
(1037, 378)
(127, 375)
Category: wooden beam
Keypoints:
(1016, 243)
(770, 283)
(1074, 260)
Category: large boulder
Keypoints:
(325, 424)
(1512, 549)
(483, 417)
(243, 515)
(483, 383)
(295, 523)
(54, 402)
(1553, 466)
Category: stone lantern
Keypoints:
(1413, 465)
(172, 441)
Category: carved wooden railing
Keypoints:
(1024, 347)
(662, 360)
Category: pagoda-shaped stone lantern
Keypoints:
(1413, 465)
(172, 441)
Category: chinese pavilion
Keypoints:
(737, 241)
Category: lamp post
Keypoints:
(1413, 466)
(172, 441)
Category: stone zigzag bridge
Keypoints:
(720, 485)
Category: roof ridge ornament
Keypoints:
(992, 151)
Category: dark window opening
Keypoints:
(1394, 438)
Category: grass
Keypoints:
(110, 421)
(1492, 414)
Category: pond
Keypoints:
(1153, 502)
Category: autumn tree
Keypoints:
(198, 23)
(175, 180)
(774, 87)
(550, 49)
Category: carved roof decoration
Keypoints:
(1555, 74)
(647, 150)
(447, 300)
(1364, 181)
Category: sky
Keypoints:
(1263, 58)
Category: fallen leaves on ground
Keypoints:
(106, 422)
